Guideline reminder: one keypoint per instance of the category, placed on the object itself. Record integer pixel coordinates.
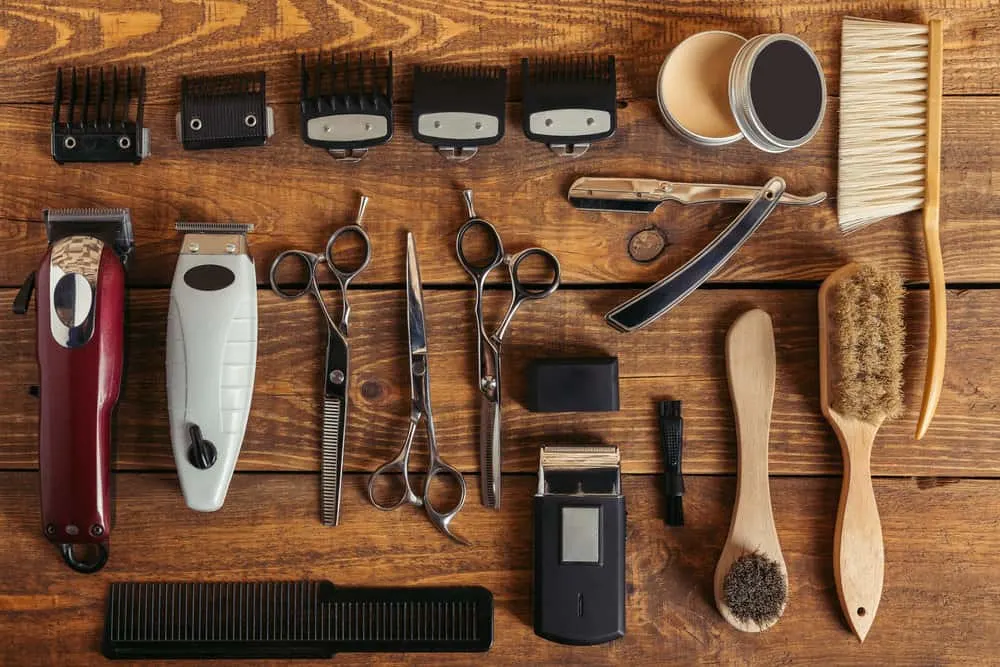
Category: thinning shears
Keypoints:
(420, 410)
(490, 345)
(337, 373)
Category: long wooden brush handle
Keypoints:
(937, 341)
(858, 551)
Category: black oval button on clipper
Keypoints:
(579, 577)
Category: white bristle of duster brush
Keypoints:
(883, 121)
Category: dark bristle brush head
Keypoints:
(754, 589)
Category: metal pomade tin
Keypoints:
(716, 88)
(777, 92)
(693, 88)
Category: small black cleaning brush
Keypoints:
(672, 440)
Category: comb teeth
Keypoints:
(569, 68)
(867, 344)
(360, 77)
(99, 98)
(463, 72)
(251, 83)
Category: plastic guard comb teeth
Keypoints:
(97, 115)
(457, 109)
(227, 111)
(346, 105)
(569, 102)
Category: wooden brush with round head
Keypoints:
(861, 334)
(751, 581)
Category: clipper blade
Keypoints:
(569, 101)
(214, 227)
(111, 225)
(457, 108)
(97, 115)
(346, 105)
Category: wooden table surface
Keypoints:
(939, 498)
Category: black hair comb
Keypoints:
(457, 109)
(97, 118)
(225, 111)
(569, 102)
(346, 106)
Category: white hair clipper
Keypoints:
(211, 357)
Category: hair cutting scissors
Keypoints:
(490, 345)
(420, 410)
(337, 375)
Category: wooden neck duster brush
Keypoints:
(861, 335)
(890, 152)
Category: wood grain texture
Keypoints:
(681, 356)
(296, 196)
(941, 546)
(179, 37)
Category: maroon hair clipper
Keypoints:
(81, 355)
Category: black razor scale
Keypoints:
(346, 106)
(97, 115)
(457, 108)
(227, 111)
(569, 102)
(579, 573)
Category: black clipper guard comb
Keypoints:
(457, 109)
(346, 107)
(227, 111)
(569, 102)
(98, 118)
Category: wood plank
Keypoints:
(189, 38)
(681, 356)
(296, 195)
(267, 530)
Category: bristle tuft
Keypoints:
(755, 590)
(868, 344)
(883, 121)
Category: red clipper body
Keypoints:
(81, 357)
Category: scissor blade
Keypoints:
(489, 452)
(337, 376)
(414, 301)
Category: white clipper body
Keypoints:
(211, 358)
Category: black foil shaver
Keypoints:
(579, 577)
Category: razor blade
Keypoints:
(97, 116)
(228, 111)
(644, 195)
(457, 109)
(346, 106)
(569, 102)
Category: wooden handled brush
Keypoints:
(751, 581)
(890, 152)
(861, 334)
